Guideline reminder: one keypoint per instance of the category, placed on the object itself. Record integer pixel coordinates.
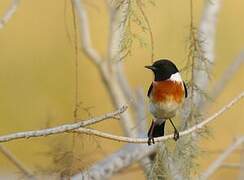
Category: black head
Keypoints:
(163, 69)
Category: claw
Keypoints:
(150, 134)
(150, 141)
(176, 135)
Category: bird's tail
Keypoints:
(157, 129)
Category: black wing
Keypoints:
(186, 94)
(149, 90)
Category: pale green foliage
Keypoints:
(159, 170)
(137, 27)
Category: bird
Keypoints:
(166, 94)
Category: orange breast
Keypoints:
(167, 90)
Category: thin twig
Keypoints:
(230, 165)
(218, 162)
(227, 75)
(16, 162)
(160, 139)
(76, 74)
(9, 13)
(241, 175)
(85, 33)
(60, 129)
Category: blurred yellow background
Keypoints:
(37, 81)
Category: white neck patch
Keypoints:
(175, 77)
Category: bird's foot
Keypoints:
(150, 140)
(176, 135)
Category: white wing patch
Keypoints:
(175, 77)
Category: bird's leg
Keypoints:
(150, 134)
(176, 132)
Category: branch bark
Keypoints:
(218, 162)
(115, 162)
(60, 129)
(227, 75)
(163, 138)
(28, 174)
(107, 69)
(241, 175)
(131, 152)
(85, 33)
(143, 150)
(9, 13)
(207, 33)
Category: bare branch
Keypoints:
(106, 68)
(227, 75)
(67, 128)
(131, 152)
(16, 162)
(207, 31)
(118, 15)
(117, 97)
(218, 162)
(141, 120)
(60, 129)
(85, 33)
(230, 165)
(116, 162)
(200, 78)
(123, 81)
(118, 20)
(161, 139)
(9, 13)
(241, 175)
(70, 127)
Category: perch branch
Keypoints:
(9, 13)
(217, 163)
(16, 162)
(131, 152)
(60, 129)
(160, 139)
(127, 155)
(70, 127)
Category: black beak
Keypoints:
(151, 67)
